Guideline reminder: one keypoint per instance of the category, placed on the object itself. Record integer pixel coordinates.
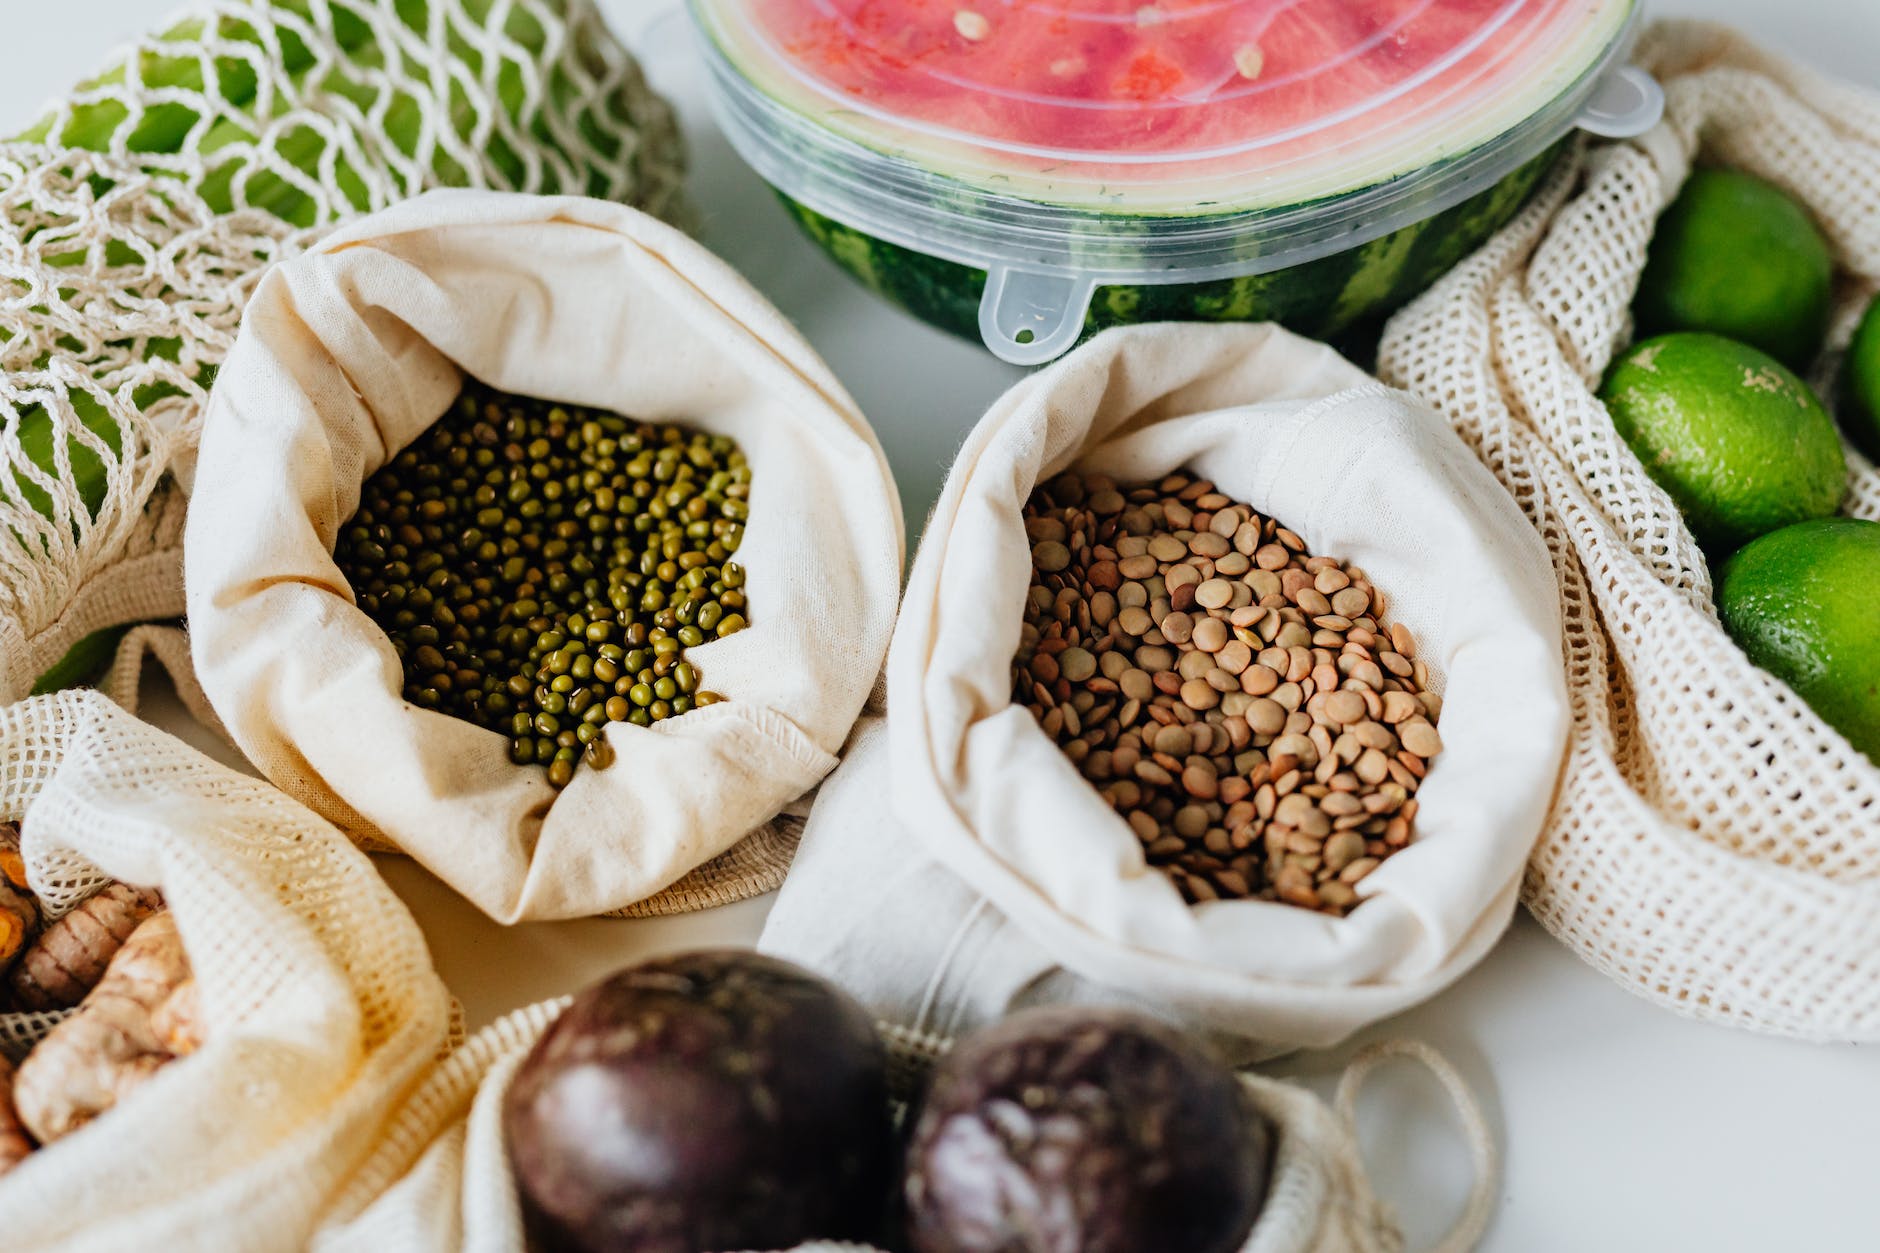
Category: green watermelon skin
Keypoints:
(1322, 299)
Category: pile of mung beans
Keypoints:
(1243, 704)
(542, 568)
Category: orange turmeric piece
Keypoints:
(19, 908)
(12, 861)
(15, 1143)
(120, 1036)
(71, 954)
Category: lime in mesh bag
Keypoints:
(1712, 844)
(138, 212)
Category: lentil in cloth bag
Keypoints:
(962, 866)
(320, 1008)
(347, 354)
(141, 209)
(1712, 845)
(441, 1181)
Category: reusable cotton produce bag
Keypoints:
(1715, 846)
(441, 1181)
(320, 1005)
(346, 355)
(959, 866)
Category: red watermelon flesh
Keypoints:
(1119, 77)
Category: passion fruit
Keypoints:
(1081, 1131)
(708, 1101)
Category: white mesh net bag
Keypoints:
(320, 1006)
(441, 1183)
(139, 212)
(1712, 845)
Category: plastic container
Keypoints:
(1029, 170)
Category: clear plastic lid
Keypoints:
(1127, 141)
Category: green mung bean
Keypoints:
(542, 568)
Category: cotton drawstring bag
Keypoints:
(1712, 845)
(754, 865)
(321, 1008)
(441, 1181)
(351, 351)
(965, 868)
(140, 211)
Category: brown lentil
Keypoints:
(1240, 702)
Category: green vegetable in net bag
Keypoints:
(138, 212)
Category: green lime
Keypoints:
(1802, 602)
(1736, 256)
(1738, 441)
(1860, 409)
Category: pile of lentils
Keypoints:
(1242, 704)
(542, 568)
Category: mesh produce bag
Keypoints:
(320, 1006)
(441, 1183)
(1713, 844)
(139, 212)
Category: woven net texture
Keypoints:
(321, 1006)
(1714, 845)
(137, 215)
(753, 866)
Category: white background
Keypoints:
(1624, 1128)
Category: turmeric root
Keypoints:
(71, 954)
(178, 1021)
(98, 1056)
(19, 908)
(15, 1144)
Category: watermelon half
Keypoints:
(1315, 162)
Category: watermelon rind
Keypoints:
(1322, 299)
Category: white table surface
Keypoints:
(1624, 1127)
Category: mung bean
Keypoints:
(541, 569)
